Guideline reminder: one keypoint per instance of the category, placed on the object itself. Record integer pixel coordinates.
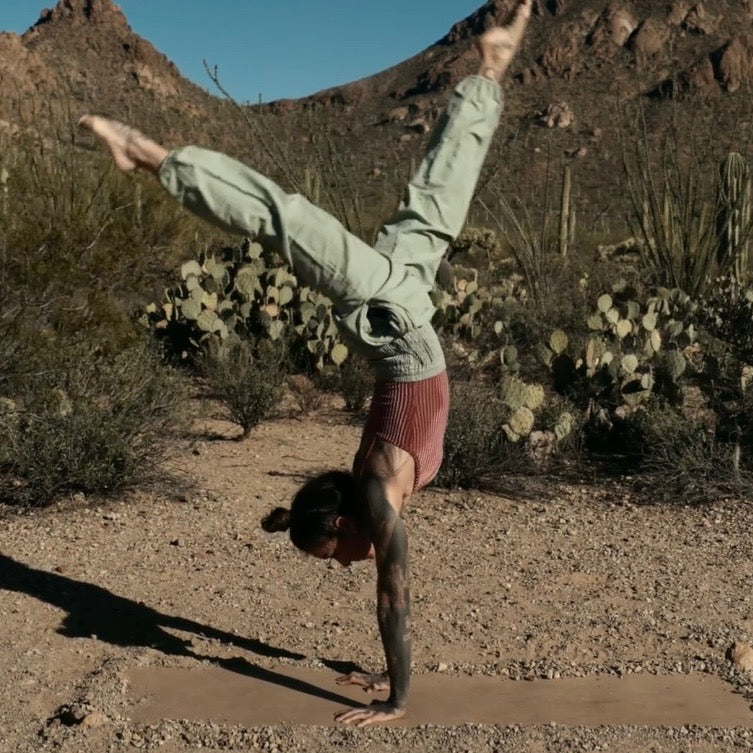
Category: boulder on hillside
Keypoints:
(611, 31)
(23, 72)
(650, 40)
(557, 115)
(678, 12)
(741, 655)
(699, 21)
(564, 57)
(734, 62)
(701, 79)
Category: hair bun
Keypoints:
(277, 520)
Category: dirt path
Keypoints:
(583, 587)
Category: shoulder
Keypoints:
(393, 466)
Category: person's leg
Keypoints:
(438, 197)
(231, 195)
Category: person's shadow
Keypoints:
(93, 611)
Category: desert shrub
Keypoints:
(727, 314)
(70, 225)
(678, 456)
(247, 379)
(83, 421)
(355, 383)
(476, 447)
(305, 392)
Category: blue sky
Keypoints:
(278, 48)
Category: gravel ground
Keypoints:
(574, 581)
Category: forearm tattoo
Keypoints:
(393, 595)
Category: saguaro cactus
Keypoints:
(567, 214)
(733, 218)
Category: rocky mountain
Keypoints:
(585, 63)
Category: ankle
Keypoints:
(490, 72)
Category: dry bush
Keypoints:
(355, 383)
(85, 421)
(247, 381)
(475, 448)
(306, 394)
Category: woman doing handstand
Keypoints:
(383, 310)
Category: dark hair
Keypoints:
(316, 505)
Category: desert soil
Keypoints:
(145, 622)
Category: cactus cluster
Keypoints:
(465, 309)
(634, 349)
(525, 403)
(245, 291)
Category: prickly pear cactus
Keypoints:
(469, 313)
(631, 343)
(245, 291)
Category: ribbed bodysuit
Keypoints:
(411, 416)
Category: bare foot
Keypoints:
(129, 148)
(499, 45)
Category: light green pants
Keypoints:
(380, 294)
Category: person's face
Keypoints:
(350, 545)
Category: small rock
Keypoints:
(678, 11)
(398, 114)
(557, 115)
(741, 655)
(94, 719)
(419, 126)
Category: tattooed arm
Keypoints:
(393, 602)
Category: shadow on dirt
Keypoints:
(95, 612)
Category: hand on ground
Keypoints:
(370, 682)
(376, 713)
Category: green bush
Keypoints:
(247, 380)
(678, 456)
(83, 421)
(475, 447)
(77, 238)
(355, 383)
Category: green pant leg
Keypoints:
(321, 252)
(439, 195)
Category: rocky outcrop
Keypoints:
(699, 21)
(678, 12)
(734, 63)
(741, 655)
(23, 74)
(101, 12)
(650, 40)
(565, 57)
(611, 31)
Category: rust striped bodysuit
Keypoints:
(413, 417)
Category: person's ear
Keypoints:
(345, 524)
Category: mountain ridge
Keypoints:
(581, 64)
